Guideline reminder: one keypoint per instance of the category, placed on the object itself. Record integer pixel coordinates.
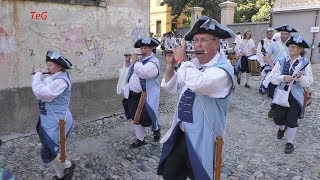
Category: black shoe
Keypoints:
(238, 80)
(247, 86)
(68, 172)
(271, 113)
(261, 91)
(289, 148)
(280, 133)
(56, 178)
(137, 143)
(157, 135)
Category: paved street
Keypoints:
(251, 150)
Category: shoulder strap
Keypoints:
(262, 44)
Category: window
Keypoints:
(158, 30)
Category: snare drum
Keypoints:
(254, 66)
(233, 58)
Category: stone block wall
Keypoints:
(94, 38)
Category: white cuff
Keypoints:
(183, 69)
(38, 75)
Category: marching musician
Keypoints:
(245, 49)
(224, 46)
(205, 84)
(53, 92)
(143, 76)
(275, 51)
(261, 52)
(288, 74)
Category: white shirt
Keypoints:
(147, 71)
(277, 37)
(238, 39)
(45, 88)
(169, 43)
(245, 47)
(260, 56)
(305, 80)
(224, 45)
(213, 82)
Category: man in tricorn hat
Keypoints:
(291, 73)
(144, 72)
(53, 92)
(205, 83)
(275, 51)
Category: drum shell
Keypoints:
(233, 58)
(254, 67)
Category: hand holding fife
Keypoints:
(169, 66)
(127, 59)
(179, 53)
(287, 78)
(299, 74)
(170, 59)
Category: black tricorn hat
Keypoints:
(299, 41)
(146, 41)
(287, 28)
(58, 59)
(210, 26)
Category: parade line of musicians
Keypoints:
(204, 82)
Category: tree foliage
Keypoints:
(246, 11)
(253, 10)
(211, 7)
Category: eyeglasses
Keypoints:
(53, 55)
(202, 40)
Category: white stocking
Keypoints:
(56, 164)
(247, 77)
(291, 134)
(140, 131)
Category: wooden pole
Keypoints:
(305, 99)
(139, 108)
(62, 131)
(218, 158)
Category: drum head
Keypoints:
(253, 57)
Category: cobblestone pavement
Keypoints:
(251, 150)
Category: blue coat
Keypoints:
(209, 121)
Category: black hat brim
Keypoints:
(61, 61)
(302, 44)
(154, 43)
(220, 31)
(285, 28)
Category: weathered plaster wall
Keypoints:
(93, 38)
(302, 21)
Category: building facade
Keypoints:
(161, 20)
(304, 16)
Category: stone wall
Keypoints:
(94, 38)
(258, 30)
